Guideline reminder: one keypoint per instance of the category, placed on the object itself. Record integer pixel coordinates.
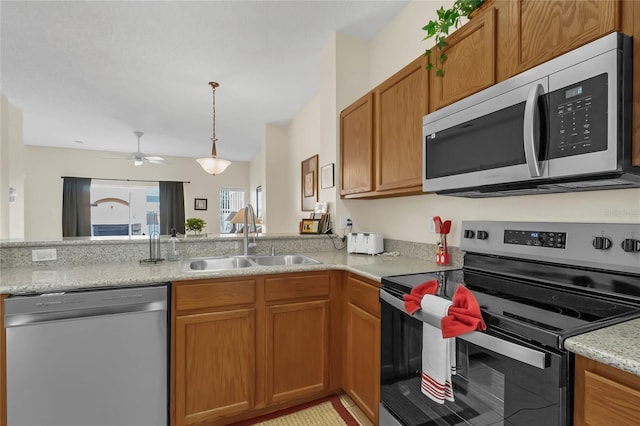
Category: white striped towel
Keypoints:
(438, 353)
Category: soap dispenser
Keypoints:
(174, 253)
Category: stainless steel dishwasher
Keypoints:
(88, 358)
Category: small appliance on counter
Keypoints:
(365, 243)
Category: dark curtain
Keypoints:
(171, 207)
(76, 207)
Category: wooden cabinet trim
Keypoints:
(399, 160)
(589, 410)
(295, 391)
(362, 385)
(356, 162)
(213, 294)
(462, 49)
(364, 294)
(296, 287)
(538, 43)
(182, 416)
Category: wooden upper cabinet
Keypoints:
(400, 104)
(542, 30)
(470, 66)
(356, 146)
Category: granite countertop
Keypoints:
(618, 345)
(42, 279)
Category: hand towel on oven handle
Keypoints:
(438, 354)
(461, 315)
(464, 315)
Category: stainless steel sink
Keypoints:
(284, 259)
(216, 263)
(202, 264)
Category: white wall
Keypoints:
(43, 184)
(280, 189)
(11, 171)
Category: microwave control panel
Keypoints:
(536, 238)
(578, 118)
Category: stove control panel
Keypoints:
(536, 238)
(606, 246)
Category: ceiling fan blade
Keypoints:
(153, 158)
(156, 160)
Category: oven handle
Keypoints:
(486, 341)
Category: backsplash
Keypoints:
(89, 252)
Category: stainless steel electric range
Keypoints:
(537, 284)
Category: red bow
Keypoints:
(464, 314)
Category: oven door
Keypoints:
(499, 380)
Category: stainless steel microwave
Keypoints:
(562, 126)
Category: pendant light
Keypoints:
(213, 165)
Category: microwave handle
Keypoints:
(531, 129)
(486, 341)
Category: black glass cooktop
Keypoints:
(535, 301)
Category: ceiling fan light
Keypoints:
(138, 163)
(213, 165)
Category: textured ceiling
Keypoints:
(95, 71)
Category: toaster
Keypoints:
(365, 243)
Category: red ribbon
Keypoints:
(464, 314)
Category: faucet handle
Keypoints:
(273, 250)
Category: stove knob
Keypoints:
(468, 233)
(601, 243)
(630, 245)
(482, 235)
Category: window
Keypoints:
(124, 208)
(231, 200)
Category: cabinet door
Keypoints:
(605, 395)
(542, 30)
(362, 370)
(470, 66)
(400, 104)
(356, 147)
(297, 350)
(215, 364)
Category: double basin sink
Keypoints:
(202, 264)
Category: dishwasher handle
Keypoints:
(16, 320)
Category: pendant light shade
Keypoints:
(213, 165)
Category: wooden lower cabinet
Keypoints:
(297, 350)
(245, 347)
(215, 364)
(605, 395)
(361, 368)
(213, 349)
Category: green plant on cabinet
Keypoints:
(439, 28)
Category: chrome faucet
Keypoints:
(245, 230)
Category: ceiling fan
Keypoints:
(139, 158)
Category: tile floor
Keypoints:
(354, 410)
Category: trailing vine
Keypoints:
(439, 28)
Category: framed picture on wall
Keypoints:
(309, 183)
(200, 204)
(326, 175)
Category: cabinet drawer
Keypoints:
(608, 402)
(364, 295)
(296, 287)
(214, 294)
